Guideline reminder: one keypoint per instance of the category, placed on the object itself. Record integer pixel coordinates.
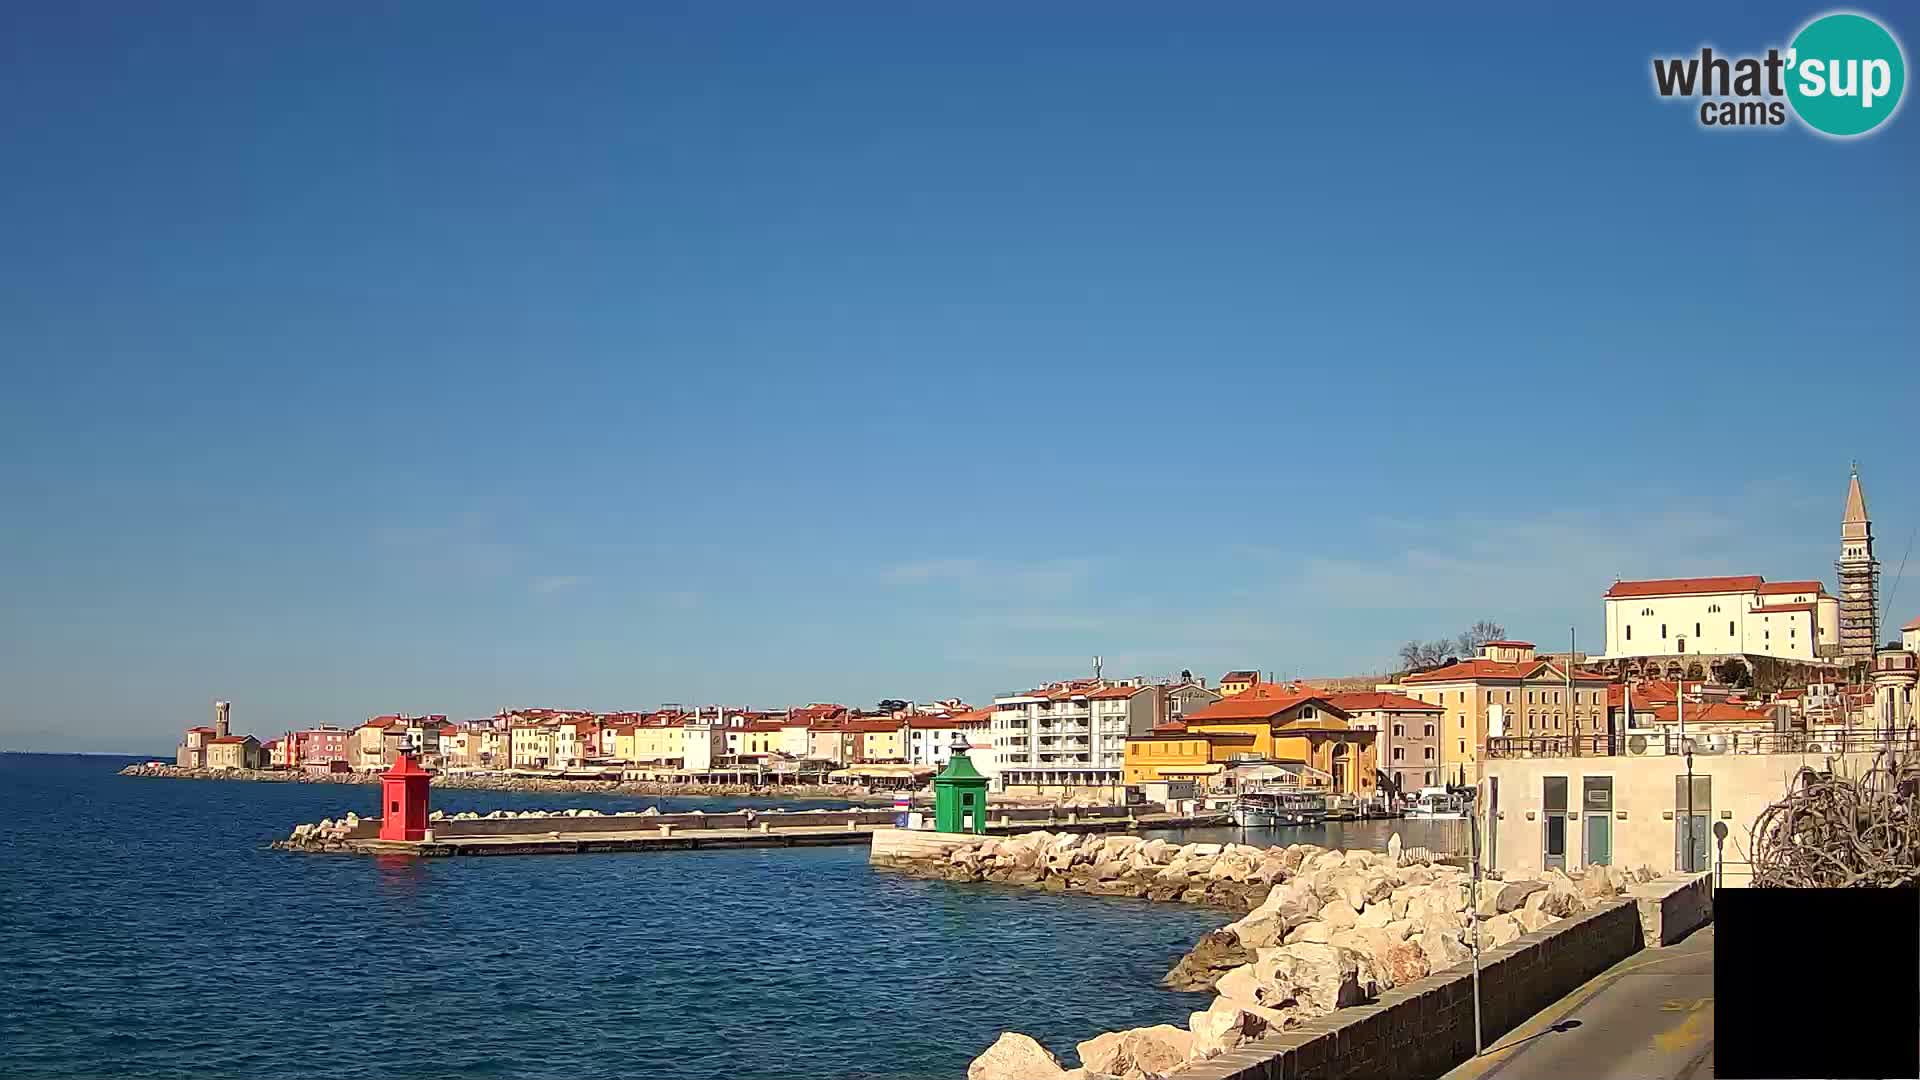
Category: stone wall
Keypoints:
(1673, 907)
(1420, 1030)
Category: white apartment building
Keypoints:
(1721, 616)
(930, 738)
(1071, 734)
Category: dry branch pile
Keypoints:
(1835, 832)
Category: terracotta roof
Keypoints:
(229, 740)
(1719, 712)
(1240, 676)
(1467, 670)
(1644, 693)
(1772, 587)
(1510, 644)
(381, 722)
(874, 726)
(1914, 625)
(1116, 692)
(972, 717)
(764, 725)
(202, 730)
(1171, 727)
(1260, 701)
(1686, 586)
(1360, 701)
(1792, 694)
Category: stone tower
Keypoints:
(1859, 574)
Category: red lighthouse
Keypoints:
(403, 793)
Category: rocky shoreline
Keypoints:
(454, 782)
(1321, 930)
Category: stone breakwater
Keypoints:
(1231, 876)
(331, 834)
(465, 782)
(1330, 929)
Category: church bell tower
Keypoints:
(1859, 575)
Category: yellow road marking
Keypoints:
(1683, 1036)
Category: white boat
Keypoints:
(1261, 808)
(1439, 804)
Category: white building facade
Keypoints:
(1721, 616)
(1069, 734)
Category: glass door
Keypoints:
(1554, 802)
(1597, 803)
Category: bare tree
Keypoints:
(1473, 637)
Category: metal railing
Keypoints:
(1701, 743)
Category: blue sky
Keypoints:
(448, 357)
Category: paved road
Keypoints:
(1649, 1017)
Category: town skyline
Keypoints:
(807, 356)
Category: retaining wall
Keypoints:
(1419, 1031)
(1671, 907)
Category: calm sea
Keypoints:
(146, 930)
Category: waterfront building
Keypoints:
(1070, 734)
(1238, 682)
(1552, 802)
(377, 743)
(476, 748)
(1293, 723)
(192, 751)
(531, 745)
(1170, 752)
(1406, 736)
(879, 740)
(234, 752)
(319, 747)
(757, 739)
(1511, 689)
(575, 740)
(930, 739)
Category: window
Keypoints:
(1556, 697)
(1509, 697)
(1398, 731)
(1696, 629)
(1306, 713)
(1429, 778)
(1729, 627)
(1663, 631)
(1398, 753)
(1712, 609)
(1429, 731)
(1429, 755)
(1530, 700)
(1629, 631)
(1463, 746)
(1489, 697)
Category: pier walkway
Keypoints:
(1649, 1017)
(577, 836)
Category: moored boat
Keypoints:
(1262, 808)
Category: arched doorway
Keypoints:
(1341, 768)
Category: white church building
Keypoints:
(1722, 616)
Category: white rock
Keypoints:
(1014, 1056)
(1140, 1052)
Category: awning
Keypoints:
(884, 771)
(1191, 770)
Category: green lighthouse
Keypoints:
(960, 794)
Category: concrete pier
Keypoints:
(563, 834)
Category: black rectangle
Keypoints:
(1776, 952)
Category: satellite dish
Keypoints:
(1636, 744)
(1496, 721)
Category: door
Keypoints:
(1692, 820)
(1597, 804)
(1554, 802)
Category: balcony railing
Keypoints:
(1702, 743)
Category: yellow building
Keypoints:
(1171, 752)
(1511, 690)
(1291, 724)
(234, 752)
(1237, 682)
(880, 740)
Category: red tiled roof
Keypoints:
(1686, 586)
(1240, 676)
(1719, 712)
(1914, 625)
(1363, 700)
(1466, 670)
(202, 730)
(874, 726)
(1116, 692)
(1792, 587)
(764, 725)
(973, 717)
(229, 740)
(1171, 727)
(1260, 701)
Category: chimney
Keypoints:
(220, 718)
